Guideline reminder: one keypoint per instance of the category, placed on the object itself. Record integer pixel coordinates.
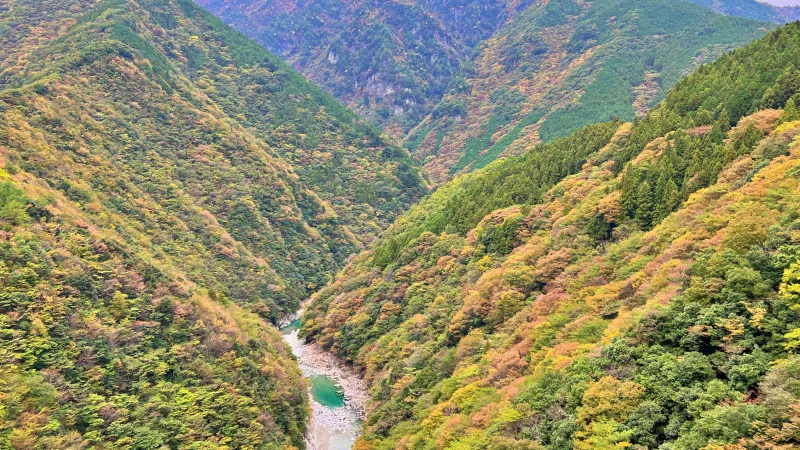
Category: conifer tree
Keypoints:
(629, 190)
(790, 113)
(704, 117)
(667, 199)
(644, 205)
(723, 123)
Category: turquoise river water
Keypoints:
(334, 425)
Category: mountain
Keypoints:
(104, 345)
(632, 285)
(562, 65)
(462, 82)
(391, 61)
(212, 133)
(168, 187)
(753, 9)
(169, 190)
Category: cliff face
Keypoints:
(390, 61)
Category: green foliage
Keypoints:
(559, 66)
(500, 146)
(651, 192)
(623, 286)
(736, 85)
(556, 12)
(204, 141)
(499, 240)
(790, 113)
(472, 150)
(100, 348)
(393, 61)
(452, 109)
(618, 72)
(13, 205)
(742, 81)
(515, 181)
(752, 9)
(171, 188)
(790, 290)
(637, 291)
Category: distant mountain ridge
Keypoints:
(389, 60)
(561, 65)
(753, 9)
(475, 80)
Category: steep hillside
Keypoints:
(167, 188)
(561, 65)
(390, 60)
(350, 165)
(218, 154)
(753, 9)
(103, 345)
(639, 292)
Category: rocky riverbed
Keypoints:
(338, 395)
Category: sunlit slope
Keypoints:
(562, 65)
(646, 298)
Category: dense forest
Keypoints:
(464, 81)
(611, 258)
(562, 65)
(106, 347)
(753, 9)
(390, 61)
(634, 285)
(235, 158)
(168, 189)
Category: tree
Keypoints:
(723, 123)
(667, 198)
(509, 303)
(704, 117)
(644, 205)
(13, 205)
(749, 226)
(605, 405)
(790, 112)
(790, 292)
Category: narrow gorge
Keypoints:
(557, 225)
(337, 392)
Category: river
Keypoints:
(338, 395)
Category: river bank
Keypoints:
(338, 394)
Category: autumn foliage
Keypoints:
(645, 301)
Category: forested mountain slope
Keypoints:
(264, 175)
(392, 61)
(167, 187)
(105, 345)
(628, 286)
(753, 9)
(365, 179)
(564, 64)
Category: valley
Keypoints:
(417, 225)
(338, 394)
(524, 73)
(568, 298)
